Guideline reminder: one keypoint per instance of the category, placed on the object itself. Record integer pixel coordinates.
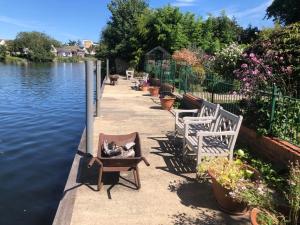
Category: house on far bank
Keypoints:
(86, 44)
(68, 51)
(2, 42)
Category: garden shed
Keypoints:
(157, 53)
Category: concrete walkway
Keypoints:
(169, 193)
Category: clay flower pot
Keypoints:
(253, 216)
(225, 202)
(167, 102)
(154, 91)
(144, 88)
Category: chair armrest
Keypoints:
(179, 111)
(191, 122)
(191, 118)
(221, 133)
(186, 111)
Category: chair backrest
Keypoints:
(129, 72)
(145, 76)
(227, 121)
(209, 109)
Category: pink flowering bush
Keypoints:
(253, 73)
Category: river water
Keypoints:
(42, 113)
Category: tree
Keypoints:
(285, 11)
(2, 52)
(165, 27)
(121, 34)
(35, 46)
(217, 32)
(72, 43)
(249, 35)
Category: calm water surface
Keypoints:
(41, 121)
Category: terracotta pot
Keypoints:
(225, 202)
(167, 103)
(253, 216)
(154, 91)
(144, 88)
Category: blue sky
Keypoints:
(84, 19)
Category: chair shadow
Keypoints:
(156, 107)
(171, 152)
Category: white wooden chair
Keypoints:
(218, 140)
(208, 111)
(145, 76)
(129, 74)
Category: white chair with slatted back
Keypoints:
(129, 74)
(208, 111)
(217, 142)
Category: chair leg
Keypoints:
(137, 177)
(100, 183)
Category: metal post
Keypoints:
(98, 87)
(89, 106)
(273, 103)
(213, 90)
(107, 68)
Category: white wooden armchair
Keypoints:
(208, 111)
(218, 140)
(129, 74)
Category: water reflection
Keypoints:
(41, 120)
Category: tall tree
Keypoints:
(285, 11)
(121, 34)
(35, 46)
(165, 27)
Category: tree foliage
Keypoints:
(285, 11)
(120, 37)
(135, 29)
(35, 46)
(2, 52)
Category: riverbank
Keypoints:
(16, 60)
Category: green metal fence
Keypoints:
(269, 112)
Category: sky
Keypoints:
(84, 19)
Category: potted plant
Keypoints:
(144, 86)
(265, 217)
(154, 91)
(227, 176)
(167, 102)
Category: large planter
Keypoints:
(167, 102)
(225, 202)
(154, 91)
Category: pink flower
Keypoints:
(255, 72)
(244, 65)
(252, 55)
